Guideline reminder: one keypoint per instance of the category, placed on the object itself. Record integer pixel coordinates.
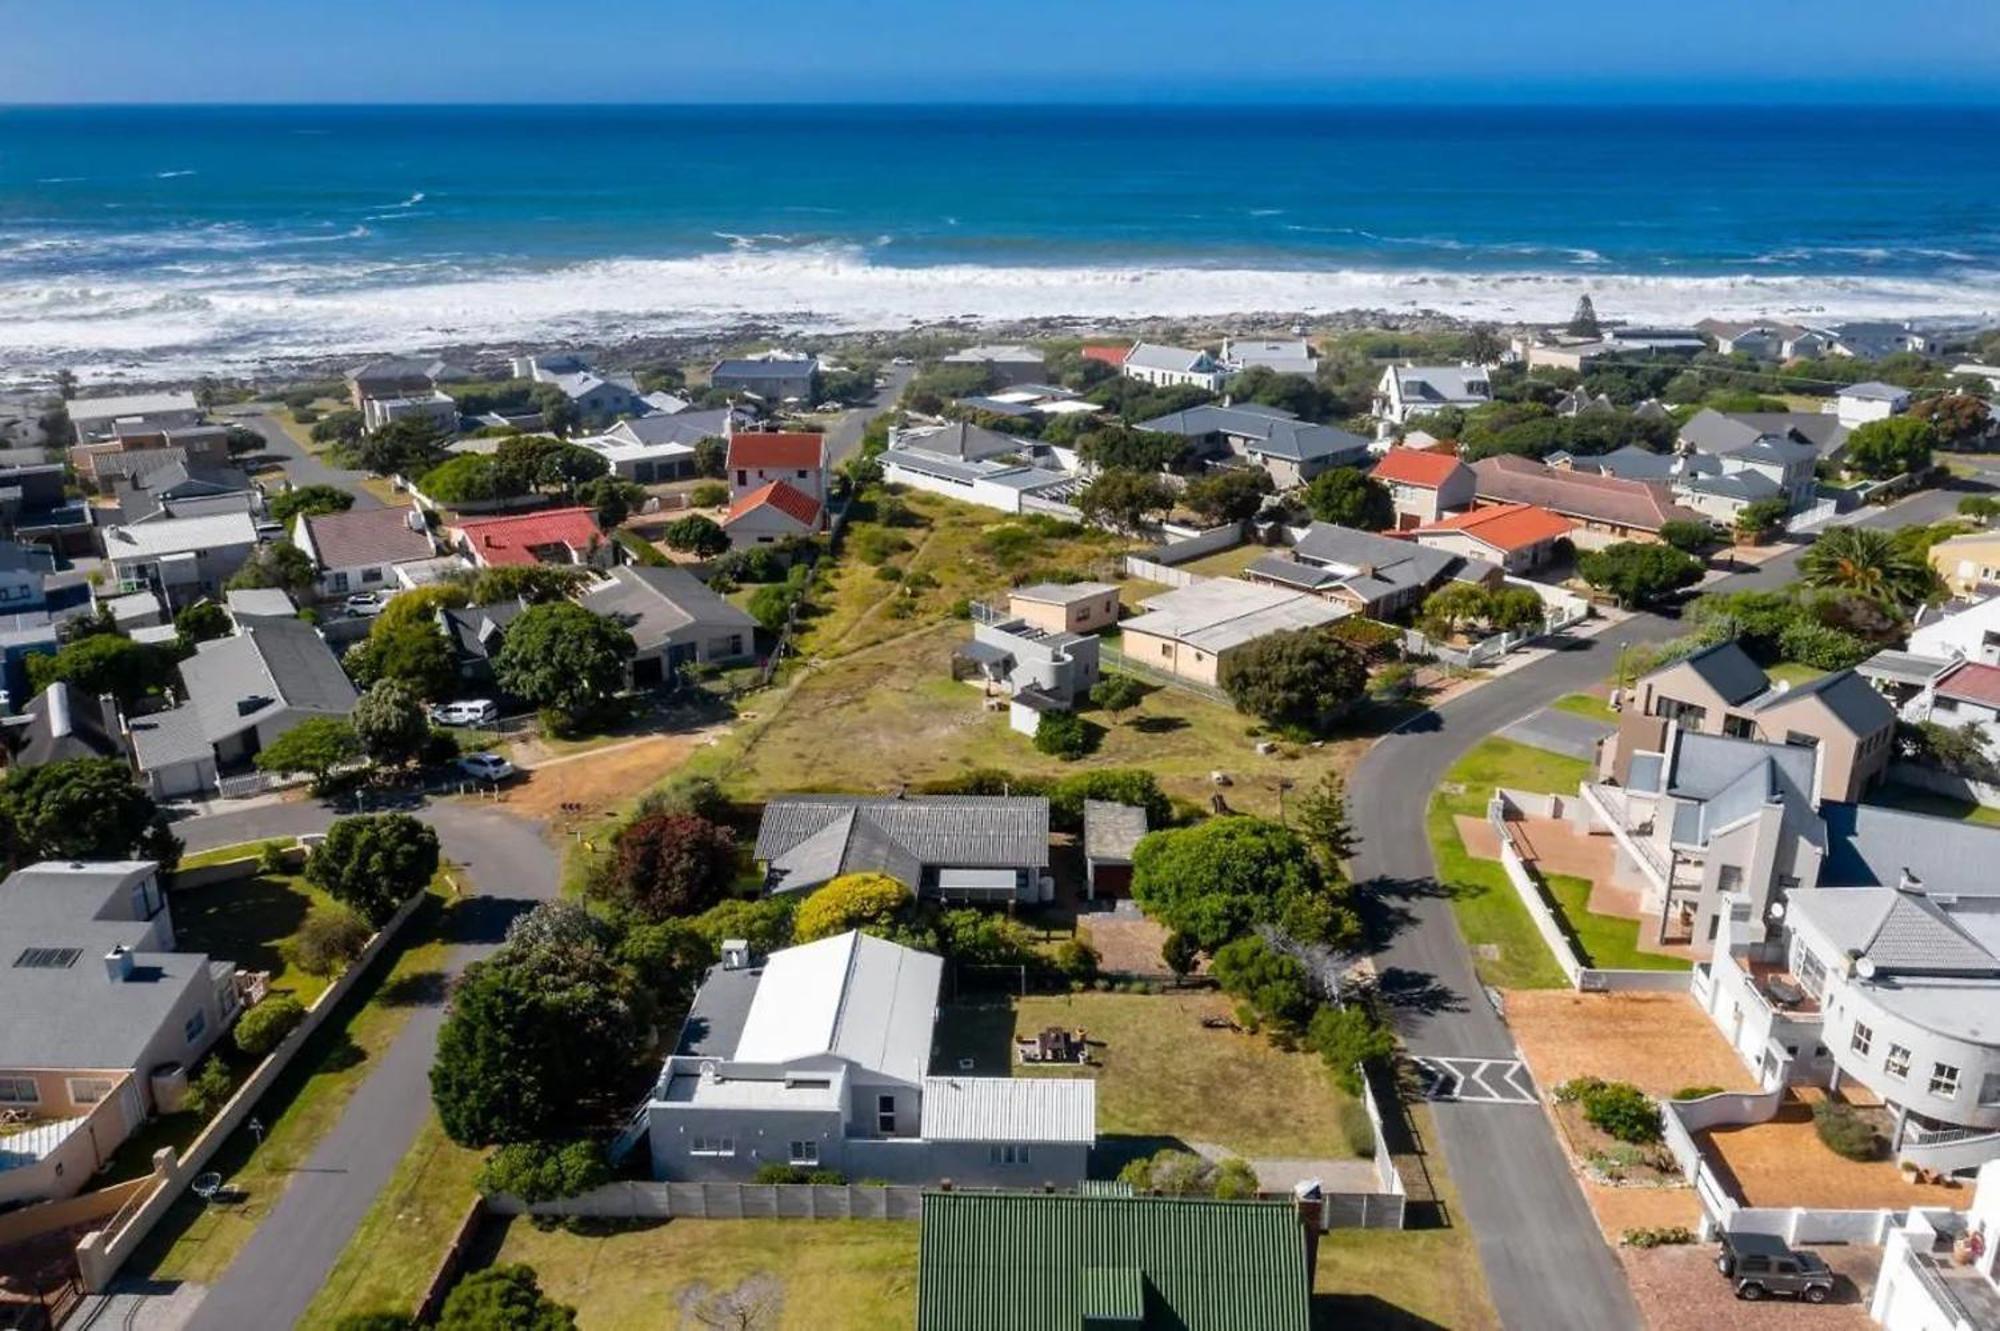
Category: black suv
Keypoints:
(1760, 1265)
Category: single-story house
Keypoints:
(1190, 631)
(1966, 694)
(184, 491)
(775, 511)
(1517, 537)
(1969, 564)
(546, 536)
(1280, 356)
(818, 1057)
(1010, 487)
(1424, 484)
(358, 550)
(1009, 365)
(770, 380)
(1604, 509)
(1065, 607)
(476, 634)
(1971, 631)
(183, 558)
(961, 440)
(1858, 404)
(96, 418)
(1409, 391)
(243, 692)
(1292, 451)
(652, 448)
(1173, 367)
(1111, 834)
(1370, 574)
(674, 620)
(439, 409)
(1103, 1258)
(967, 848)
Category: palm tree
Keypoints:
(1869, 564)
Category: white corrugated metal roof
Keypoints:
(1010, 1109)
(861, 998)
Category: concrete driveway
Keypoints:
(1559, 732)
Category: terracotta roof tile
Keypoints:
(1416, 466)
(791, 451)
(793, 502)
(1504, 526)
(1642, 505)
(514, 539)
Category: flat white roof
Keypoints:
(1010, 1109)
(1226, 612)
(132, 404)
(171, 536)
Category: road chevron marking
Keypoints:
(1487, 1081)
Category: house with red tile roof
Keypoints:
(549, 536)
(1517, 537)
(775, 511)
(1603, 510)
(1968, 694)
(1109, 355)
(1424, 485)
(758, 458)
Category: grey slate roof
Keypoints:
(1848, 696)
(808, 839)
(958, 439)
(1262, 430)
(1153, 356)
(1111, 832)
(1901, 932)
(1869, 845)
(476, 630)
(1874, 390)
(170, 738)
(1903, 667)
(1728, 669)
(800, 370)
(714, 1022)
(270, 665)
(65, 722)
(682, 427)
(656, 604)
(1373, 566)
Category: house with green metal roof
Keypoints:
(1094, 1261)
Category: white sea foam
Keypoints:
(237, 313)
(171, 175)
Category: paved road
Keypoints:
(302, 467)
(1547, 1267)
(845, 436)
(293, 1251)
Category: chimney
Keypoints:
(1909, 884)
(1311, 1206)
(118, 964)
(735, 954)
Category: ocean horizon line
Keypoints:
(1988, 100)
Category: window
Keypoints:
(712, 1146)
(1798, 739)
(88, 1090)
(802, 473)
(1007, 1155)
(1862, 1041)
(1989, 1090)
(19, 1091)
(805, 1153)
(1812, 972)
(885, 1113)
(1686, 714)
(339, 581)
(1729, 878)
(1897, 1064)
(371, 575)
(742, 477)
(195, 1026)
(1944, 1081)
(1739, 727)
(1166, 649)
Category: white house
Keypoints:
(1285, 356)
(819, 1057)
(1857, 404)
(1009, 365)
(97, 418)
(1408, 391)
(439, 409)
(1174, 367)
(1972, 634)
(984, 481)
(757, 458)
(358, 550)
(1941, 1269)
(184, 558)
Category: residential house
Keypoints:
(1409, 391)
(659, 447)
(1933, 1277)
(59, 723)
(1976, 370)
(1190, 631)
(96, 418)
(36, 507)
(959, 440)
(101, 462)
(437, 409)
(1282, 356)
(476, 633)
(1969, 564)
(105, 1019)
(1292, 451)
(1875, 340)
(1037, 669)
(1721, 691)
(1424, 485)
(757, 458)
(599, 398)
(1516, 537)
(1767, 340)
(1858, 404)
(1721, 433)
(1963, 694)
(1884, 977)
(1030, 400)
(964, 848)
(547, 536)
(818, 1057)
(1366, 573)
(395, 377)
(1603, 510)
(244, 603)
(1579, 401)
(358, 550)
(1009, 484)
(1103, 1258)
(1971, 632)
(774, 512)
(674, 619)
(1111, 836)
(1008, 365)
(1718, 487)
(1104, 354)
(791, 380)
(1065, 607)
(1173, 367)
(184, 559)
(243, 692)
(1634, 341)
(24, 574)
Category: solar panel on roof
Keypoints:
(47, 958)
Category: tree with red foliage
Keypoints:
(673, 864)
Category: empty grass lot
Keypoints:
(1938, 806)
(834, 1273)
(1162, 1077)
(1227, 563)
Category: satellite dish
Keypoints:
(1777, 911)
(1865, 968)
(710, 1069)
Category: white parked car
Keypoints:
(365, 604)
(470, 712)
(486, 766)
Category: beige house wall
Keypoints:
(1082, 616)
(1966, 563)
(1172, 656)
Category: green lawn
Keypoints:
(1608, 942)
(248, 850)
(1162, 1077)
(251, 921)
(1506, 949)
(1226, 563)
(1938, 806)
(1587, 704)
(390, 1257)
(198, 1242)
(833, 1273)
(1791, 672)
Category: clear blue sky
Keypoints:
(1030, 50)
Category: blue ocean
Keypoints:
(166, 240)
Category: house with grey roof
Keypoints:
(1007, 484)
(675, 621)
(1008, 365)
(183, 559)
(1280, 355)
(1719, 485)
(1875, 339)
(1406, 392)
(399, 378)
(96, 418)
(1722, 433)
(1374, 575)
(1292, 451)
(59, 723)
(1038, 670)
(184, 490)
(660, 446)
(818, 1057)
(1190, 632)
(1872, 400)
(1173, 367)
(476, 633)
(105, 1019)
(767, 380)
(243, 692)
(978, 849)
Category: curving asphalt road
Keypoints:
(293, 1251)
(1547, 1267)
(301, 466)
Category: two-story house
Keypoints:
(1406, 392)
(1037, 669)
(184, 559)
(1290, 451)
(1425, 484)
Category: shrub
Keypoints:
(1622, 1110)
(1077, 959)
(1234, 1180)
(271, 857)
(1657, 1236)
(1695, 1092)
(506, 1297)
(673, 864)
(1346, 1038)
(1063, 735)
(543, 1171)
(1357, 1129)
(777, 1173)
(852, 901)
(374, 862)
(696, 535)
(1687, 536)
(1845, 1132)
(330, 938)
(1823, 647)
(264, 1027)
(1272, 986)
(209, 1089)
(1177, 1173)
(710, 494)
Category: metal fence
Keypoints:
(1113, 657)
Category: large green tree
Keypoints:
(1306, 678)
(411, 651)
(503, 1298)
(81, 809)
(1231, 495)
(1638, 573)
(561, 656)
(1870, 564)
(1350, 497)
(308, 501)
(280, 565)
(1125, 499)
(1890, 447)
(1217, 880)
(316, 746)
(104, 663)
(389, 721)
(374, 862)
